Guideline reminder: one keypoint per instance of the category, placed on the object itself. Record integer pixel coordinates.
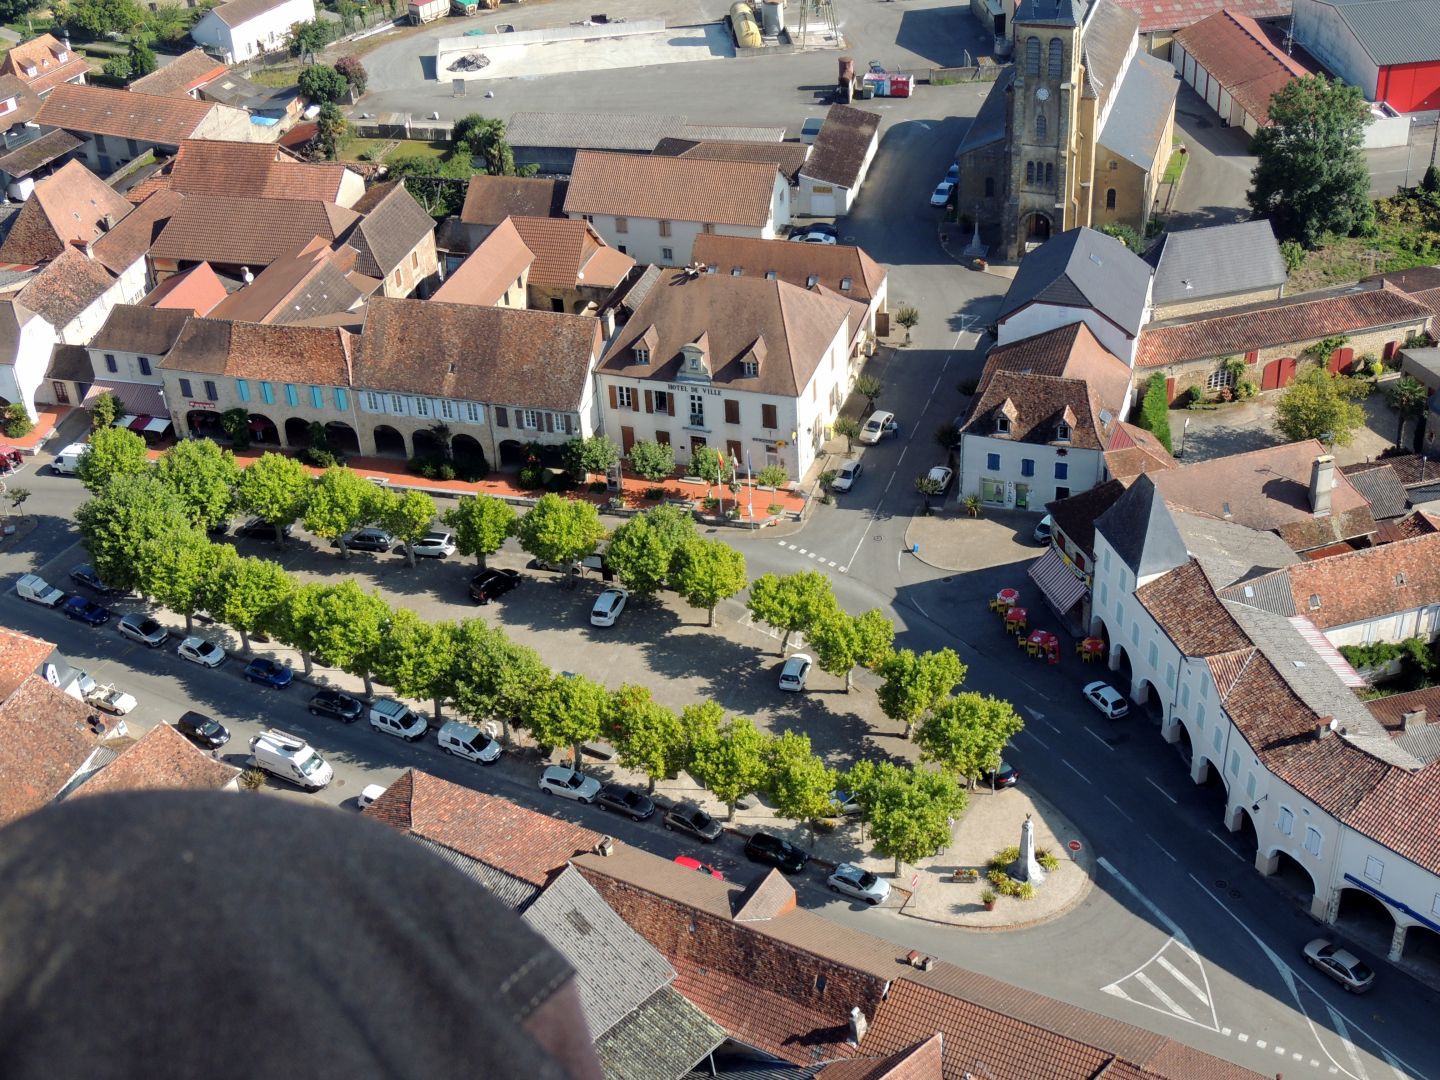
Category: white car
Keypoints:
(199, 651)
(847, 474)
(608, 606)
(880, 424)
(859, 884)
(795, 672)
(369, 795)
(942, 476)
(435, 545)
(569, 784)
(1107, 699)
(110, 700)
(941, 195)
(468, 741)
(394, 718)
(814, 238)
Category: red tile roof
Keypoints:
(319, 355)
(45, 737)
(522, 843)
(252, 171)
(1401, 811)
(183, 74)
(130, 239)
(197, 290)
(570, 253)
(227, 231)
(921, 1061)
(674, 189)
(43, 54)
(20, 657)
(488, 272)
(68, 207)
(489, 200)
(1370, 583)
(1172, 14)
(1132, 451)
(65, 287)
(98, 110)
(831, 264)
(161, 759)
(1185, 606)
(1293, 321)
(1238, 54)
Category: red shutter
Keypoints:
(550, 422)
(1170, 391)
(663, 438)
(670, 404)
(649, 401)
(1390, 349)
(732, 411)
(1253, 356)
(612, 397)
(634, 401)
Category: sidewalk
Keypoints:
(949, 539)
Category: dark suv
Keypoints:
(689, 818)
(336, 705)
(492, 584)
(202, 731)
(775, 851)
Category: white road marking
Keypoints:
(1350, 1051)
(1162, 791)
(810, 555)
(1243, 1037)
(1224, 1031)
(1076, 771)
(1223, 843)
(802, 551)
(1101, 741)
(1261, 1043)
(1280, 1050)
(1122, 813)
(1170, 1003)
(1164, 849)
(901, 458)
(783, 543)
(921, 609)
(1183, 979)
(1032, 735)
(1394, 1065)
(831, 563)
(844, 569)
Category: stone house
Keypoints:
(45, 62)
(832, 175)
(1210, 269)
(73, 206)
(395, 239)
(127, 354)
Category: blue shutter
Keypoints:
(992, 462)
(342, 400)
(1027, 467)
(267, 393)
(242, 389)
(185, 388)
(291, 397)
(317, 397)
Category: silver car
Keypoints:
(1107, 699)
(795, 672)
(859, 884)
(142, 628)
(1344, 967)
(569, 784)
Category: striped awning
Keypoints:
(1057, 581)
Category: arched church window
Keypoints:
(1040, 126)
(1057, 57)
(1032, 56)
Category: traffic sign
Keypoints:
(1074, 845)
(915, 881)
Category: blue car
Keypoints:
(86, 611)
(268, 672)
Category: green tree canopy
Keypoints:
(647, 735)
(568, 712)
(1318, 405)
(341, 501)
(330, 128)
(1155, 411)
(308, 38)
(105, 409)
(870, 387)
(1311, 177)
(966, 733)
(916, 683)
(95, 18)
(732, 763)
(408, 515)
(652, 460)
(340, 624)
(700, 724)
(322, 84)
(176, 569)
(203, 475)
(595, 454)
(483, 137)
(1126, 235)
(132, 510)
(354, 72)
(142, 59)
(642, 551)
(1408, 398)
(275, 489)
(792, 602)
(801, 785)
(848, 428)
(248, 594)
(481, 523)
(495, 677)
(560, 530)
(417, 659)
(111, 452)
(842, 641)
(708, 465)
(910, 811)
(706, 571)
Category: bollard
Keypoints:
(914, 549)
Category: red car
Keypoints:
(695, 864)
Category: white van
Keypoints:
(290, 758)
(880, 424)
(66, 460)
(393, 718)
(468, 741)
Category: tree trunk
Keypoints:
(189, 623)
(369, 686)
(244, 641)
(784, 641)
(439, 719)
(711, 620)
(650, 790)
(344, 547)
(849, 678)
(897, 866)
(309, 664)
(730, 814)
(480, 559)
(279, 533)
(410, 553)
(576, 747)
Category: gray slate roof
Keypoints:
(990, 122)
(1229, 553)
(1383, 490)
(1393, 31)
(663, 1039)
(1142, 532)
(1053, 12)
(1083, 268)
(1142, 105)
(622, 131)
(616, 970)
(1105, 44)
(511, 891)
(1218, 260)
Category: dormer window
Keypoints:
(62, 56)
(30, 71)
(1062, 432)
(752, 369)
(1002, 424)
(812, 280)
(642, 354)
(736, 271)
(769, 275)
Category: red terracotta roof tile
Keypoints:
(570, 253)
(98, 110)
(1185, 606)
(182, 75)
(43, 55)
(921, 1061)
(45, 737)
(161, 759)
(318, 355)
(676, 189)
(68, 207)
(1369, 583)
(488, 272)
(1172, 14)
(65, 287)
(831, 264)
(1240, 56)
(226, 231)
(196, 290)
(253, 171)
(489, 200)
(20, 657)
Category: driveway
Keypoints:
(1217, 175)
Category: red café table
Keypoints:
(1008, 597)
(1041, 641)
(1016, 618)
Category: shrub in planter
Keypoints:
(711, 505)
(1003, 858)
(775, 509)
(531, 477)
(444, 470)
(656, 493)
(987, 897)
(598, 487)
(17, 421)
(1194, 395)
(1046, 860)
(1246, 390)
(318, 456)
(772, 476)
(827, 478)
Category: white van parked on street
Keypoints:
(468, 741)
(66, 460)
(290, 758)
(393, 718)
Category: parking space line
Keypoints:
(1162, 791)
(1031, 734)
(1223, 843)
(1122, 813)
(1076, 771)
(1164, 849)
(1101, 741)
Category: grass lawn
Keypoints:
(356, 149)
(1175, 167)
(1407, 234)
(415, 148)
(279, 77)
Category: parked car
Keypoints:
(624, 800)
(396, 719)
(1344, 967)
(369, 795)
(37, 590)
(952, 174)
(85, 574)
(492, 584)
(815, 236)
(941, 195)
(143, 629)
(1005, 775)
(689, 818)
(1044, 530)
(1107, 699)
(608, 606)
(435, 545)
(846, 475)
(569, 784)
(469, 742)
(691, 863)
(843, 803)
(366, 540)
(942, 476)
(199, 651)
(86, 611)
(337, 706)
(859, 884)
(260, 529)
(880, 424)
(201, 730)
(268, 672)
(108, 699)
(776, 851)
(810, 128)
(795, 672)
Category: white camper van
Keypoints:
(290, 758)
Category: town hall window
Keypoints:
(1040, 125)
(1029, 172)
(1049, 174)
(1032, 56)
(1110, 198)
(1056, 58)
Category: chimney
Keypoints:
(605, 846)
(89, 250)
(245, 275)
(1322, 728)
(1414, 719)
(608, 319)
(1322, 483)
(858, 1026)
(107, 223)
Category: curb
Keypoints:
(1080, 896)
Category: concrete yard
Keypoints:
(563, 49)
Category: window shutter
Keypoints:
(635, 400)
(732, 411)
(613, 405)
(549, 422)
(767, 416)
(649, 401)
(670, 404)
(502, 416)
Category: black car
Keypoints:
(775, 851)
(1005, 776)
(202, 731)
(260, 529)
(85, 574)
(336, 705)
(491, 584)
(367, 540)
(624, 800)
(689, 818)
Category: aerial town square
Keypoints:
(780, 539)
